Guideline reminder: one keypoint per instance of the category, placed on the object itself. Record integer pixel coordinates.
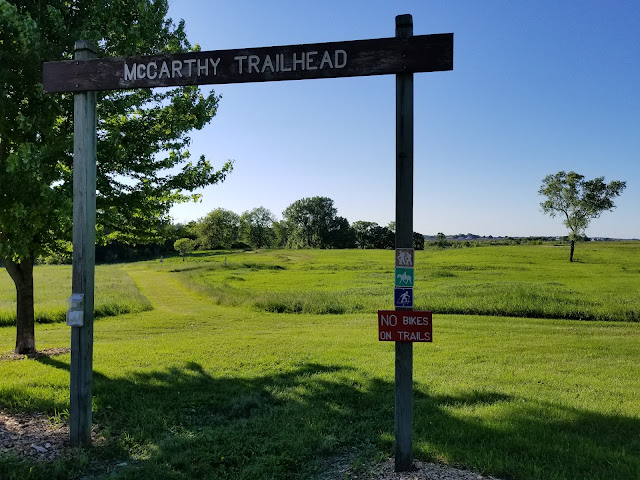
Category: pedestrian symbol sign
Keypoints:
(405, 257)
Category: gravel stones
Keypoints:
(32, 436)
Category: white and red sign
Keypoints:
(404, 326)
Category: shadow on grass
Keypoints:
(187, 422)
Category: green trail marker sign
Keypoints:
(402, 55)
(404, 277)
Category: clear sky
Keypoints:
(537, 87)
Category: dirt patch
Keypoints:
(46, 352)
(34, 436)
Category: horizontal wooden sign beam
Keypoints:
(422, 53)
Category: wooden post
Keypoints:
(84, 240)
(404, 239)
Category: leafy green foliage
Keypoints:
(143, 165)
(314, 223)
(218, 229)
(143, 134)
(184, 246)
(256, 227)
(363, 234)
(578, 201)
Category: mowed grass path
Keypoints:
(196, 390)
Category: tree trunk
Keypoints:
(573, 245)
(22, 275)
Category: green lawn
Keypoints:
(115, 293)
(193, 389)
(525, 281)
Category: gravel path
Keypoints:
(341, 467)
(32, 435)
(424, 471)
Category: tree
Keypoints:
(382, 238)
(441, 240)
(577, 200)
(341, 234)
(256, 227)
(143, 164)
(184, 246)
(362, 232)
(310, 222)
(281, 232)
(219, 229)
(418, 241)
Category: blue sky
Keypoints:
(537, 87)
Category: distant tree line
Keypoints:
(306, 223)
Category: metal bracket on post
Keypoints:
(404, 239)
(84, 241)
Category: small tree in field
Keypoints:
(578, 200)
(184, 246)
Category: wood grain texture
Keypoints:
(83, 270)
(404, 239)
(423, 53)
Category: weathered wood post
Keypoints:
(84, 240)
(403, 55)
(404, 239)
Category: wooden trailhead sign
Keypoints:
(383, 56)
(402, 55)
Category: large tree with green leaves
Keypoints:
(577, 201)
(143, 163)
(256, 227)
(313, 223)
(218, 229)
(363, 233)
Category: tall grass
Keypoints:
(517, 281)
(115, 293)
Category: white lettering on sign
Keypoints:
(204, 67)
(151, 75)
(214, 65)
(176, 69)
(279, 63)
(189, 62)
(410, 320)
(172, 69)
(388, 320)
(414, 336)
(129, 73)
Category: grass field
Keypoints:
(209, 384)
(115, 294)
(524, 281)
